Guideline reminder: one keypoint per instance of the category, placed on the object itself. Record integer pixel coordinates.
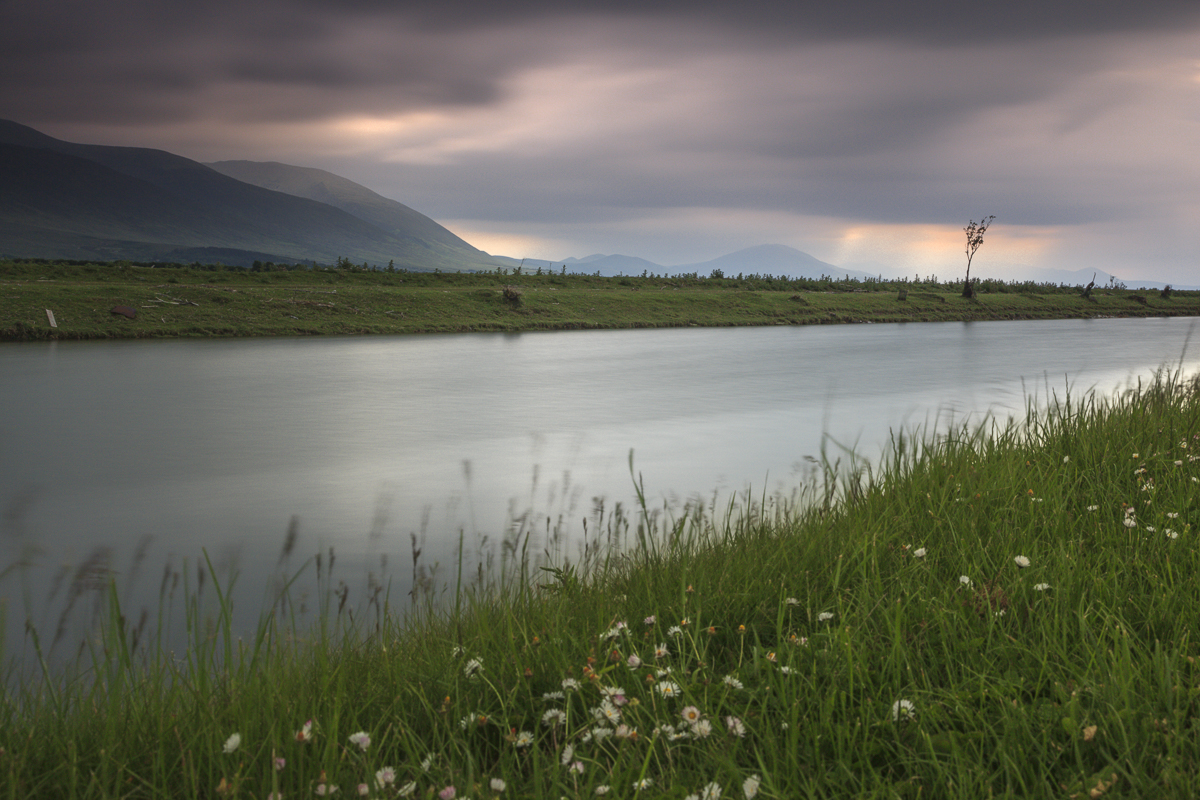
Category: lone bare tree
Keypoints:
(974, 231)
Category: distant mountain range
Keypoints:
(78, 201)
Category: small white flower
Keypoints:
(964, 580)
(824, 616)
(576, 767)
(735, 726)
(701, 729)
(1066, 459)
(570, 684)
(1021, 561)
(232, 743)
(524, 739)
(1171, 534)
(1041, 587)
(473, 667)
(650, 620)
(750, 787)
(426, 763)
(554, 717)
(602, 789)
(732, 682)
(919, 552)
(407, 789)
(362, 739)
(1130, 522)
(667, 688)
(498, 784)
(903, 709)
(661, 651)
(644, 783)
(385, 777)
(711, 792)
(1179, 463)
(568, 753)
(1172, 515)
(553, 696)
(1093, 508)
(786, 670)
(791, 601)
(623, 731)
(674, 630)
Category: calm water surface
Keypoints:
(218, 444)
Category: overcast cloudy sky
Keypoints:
(857, 131)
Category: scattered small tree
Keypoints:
(974, 231)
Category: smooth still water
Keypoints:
(174, 446)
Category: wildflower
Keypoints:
(903, 709)
(732, 682)
(570, 684)
(824, 616)
(710, 792)
(603, 789)
(466, 721)
(1179, 463)
(1130, 522)
(662, 673)
(964, 580)
(364, 790)
(498, 784)
(1066, 459)
(385, 777)
(701, 729)
(650, 620)
(1021, 561)
(633, 662)
(324, 789)
(791, 601)
(786, 670)
(279, 764)
(553, 696)
(554, 717)
(426, 763)
(1171, 534)
(685, 622)
(576, 767)
(448, 793)
(305, 733)
(644, 783)
(607, 712)
(1092, 508)
(661, 650)
(524, 739)
(600, 733)
(750, 787)
(362, 739)
(612, 692)
(1151, 528)
(457, 651)
(735, 726)
(690, 714)
(623, 731)
(668, 689)
(232, 743)
(1172, 515)
(674, 630)
(741, 628)
(919, 552)
(473, 667)
(1041, 587)
(407, 789)
(771, 657)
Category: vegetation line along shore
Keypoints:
(1004, 611)
(57, 300)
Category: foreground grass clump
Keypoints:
(1007, 612)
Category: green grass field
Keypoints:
(1007, 611)
(197, 302)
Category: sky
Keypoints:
(863, 132)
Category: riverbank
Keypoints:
(1005, 612)
(194, 302)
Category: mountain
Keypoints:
(771, 259)
(65, 200)
(334, 190)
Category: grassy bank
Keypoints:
(218, 302)
(1009, 612)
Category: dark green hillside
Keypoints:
(158, 203)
